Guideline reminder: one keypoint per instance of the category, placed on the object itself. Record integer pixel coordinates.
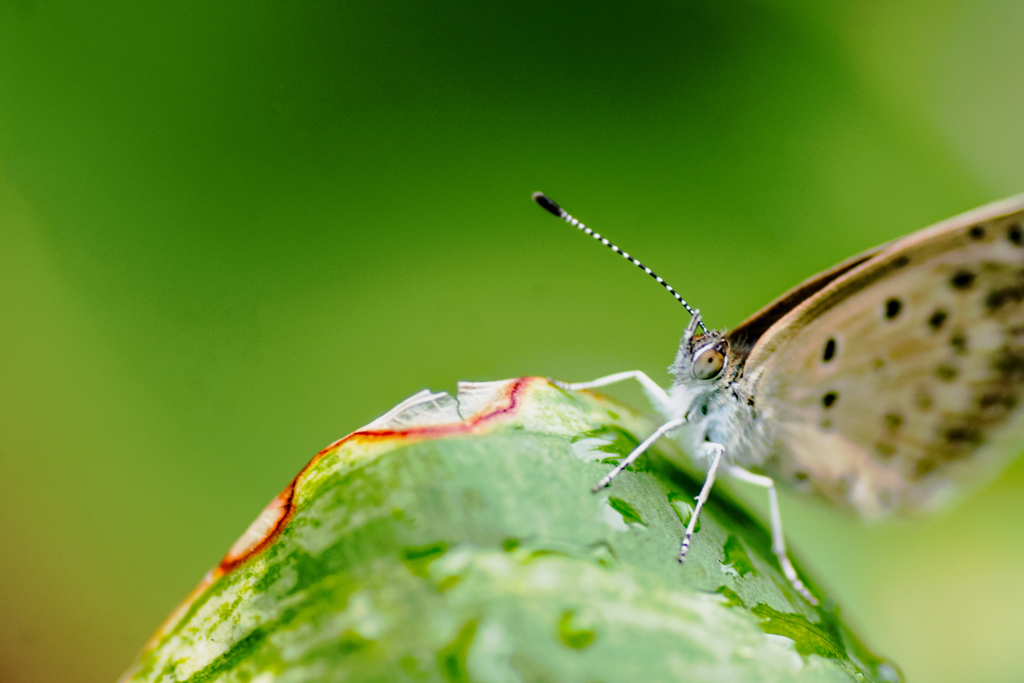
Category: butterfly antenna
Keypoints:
(554, 208)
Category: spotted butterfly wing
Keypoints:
(891, 380)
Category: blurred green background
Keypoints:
(230, 233)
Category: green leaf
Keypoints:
(736, 558)
(684, 508)
(572, 634)
(418, 559)
(458, 540)
(807, 638)
(628, 512)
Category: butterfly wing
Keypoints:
(901, 378)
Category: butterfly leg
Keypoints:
(658, 396)
(637, 452)
(778, 540)
(716, 450)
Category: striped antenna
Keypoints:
(554, 208)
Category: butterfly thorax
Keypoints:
(709, 392)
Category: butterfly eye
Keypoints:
(708, 363)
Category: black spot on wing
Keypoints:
(830, 350)
(1016, 235)
(959, 343)
(1010, 365)
(962, 280)
(964, 435)
(893, 308)
(998, 298)
(937, 319)
(997, 401)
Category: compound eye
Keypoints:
(708, 363)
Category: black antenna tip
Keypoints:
(547, 204)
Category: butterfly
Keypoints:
(885, 384)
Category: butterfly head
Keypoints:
(702, 357)
(702, 364)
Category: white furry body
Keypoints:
(722, 415)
